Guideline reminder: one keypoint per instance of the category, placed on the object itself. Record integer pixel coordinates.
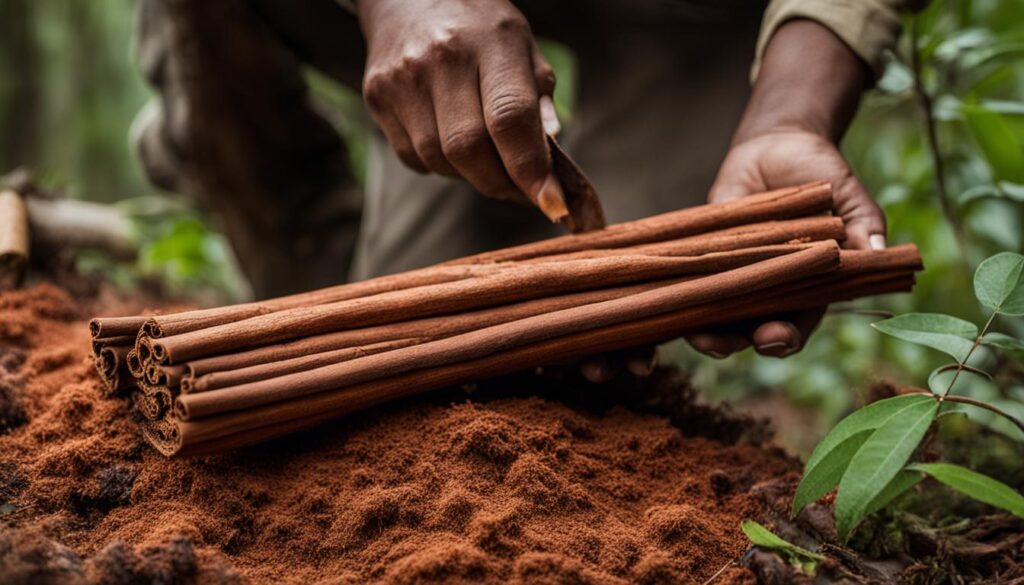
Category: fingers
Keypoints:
(865, 221)
(511, 110)
(718, 345)
(602, 368)
(784, 338)
(463, 135)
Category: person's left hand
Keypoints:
(779, 158)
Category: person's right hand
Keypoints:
(455, 85)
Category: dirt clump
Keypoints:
(466, 488)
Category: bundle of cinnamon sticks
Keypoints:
(211, 380)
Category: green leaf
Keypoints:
(1003, 341)
(941, 378)
(828, 462)
(976, 485)
(998, 142)
(999, 283)
(942, 332)
(764, 538)
(878, 461)
(903, 481)
(1013, 191)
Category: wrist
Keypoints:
(810, 81)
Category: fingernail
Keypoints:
(776, 349)
(549, 116)
(641, 368)
(876, 242)
(551, 200)
(596, 372)
(717, 354)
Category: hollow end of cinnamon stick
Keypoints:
(135, 367)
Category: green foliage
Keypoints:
(867, 453)
(1003, 341)
(831, 457)
(998, 142)
(879, 460)
(795, 555)
(973, 484)
(999, 283)
(942, 332)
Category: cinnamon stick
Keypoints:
(499, 338)
(273, 369)
(429, 327)
(13, 239)
(775, 205)
(804, 200)
(526, 282)
(229, 431)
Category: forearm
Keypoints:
(809, 80)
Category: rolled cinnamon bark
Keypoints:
(430, 327)
(818, 259)
(775, 205)
(153, 401)
(793, 231)
(99, 343)
(526, 282)
(791, 202)
(13, 239)
(263, 371)
(135, 366)
(239, 429)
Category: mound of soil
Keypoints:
(485, 486)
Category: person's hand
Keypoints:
(456, 88)
(785, 157)
(806, 94)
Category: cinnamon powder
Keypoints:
(512, 488)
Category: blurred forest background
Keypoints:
(939, 141)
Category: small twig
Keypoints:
(965, 400)
(980, 404)
(967, 368)
(963, 362)
(719, 572)
(925, 100)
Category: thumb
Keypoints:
(865, 221)
(738, 177)
(544, 76)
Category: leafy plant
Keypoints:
(798, 556)
(867, 455)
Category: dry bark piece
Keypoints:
(233, 430)
(504, 337)
(430, 327)
(775, 205)
(506, 286)
(227, 378)
(585, 211)
(13, 239)
(810, 199)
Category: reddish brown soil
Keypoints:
(506, 488)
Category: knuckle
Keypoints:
(375, 88)
(464, 143)
(509, 112)
(512, 23)
(430, 152)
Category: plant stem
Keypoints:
(925, 101)
(965, 400)
(719, 572)
(960, 365)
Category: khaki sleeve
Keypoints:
(868, 27)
